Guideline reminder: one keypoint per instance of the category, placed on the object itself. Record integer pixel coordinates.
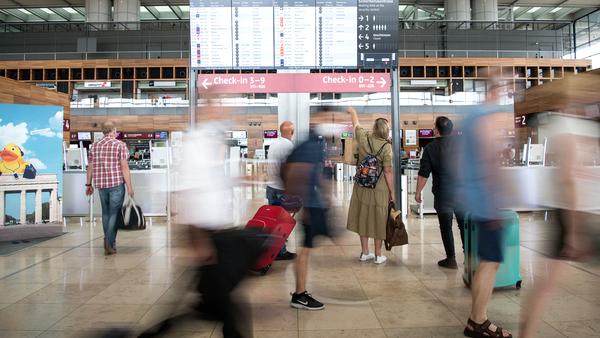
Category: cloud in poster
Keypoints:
(38, 164)
(13, 133)
(56, 122)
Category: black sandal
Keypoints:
(483, 330)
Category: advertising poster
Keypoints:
(411, 137)
(31, 164)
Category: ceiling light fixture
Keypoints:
(533, 10)
(47, 10)
(556, 10)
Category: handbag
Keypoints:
(396, 234)
(133, 217)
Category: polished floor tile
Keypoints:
(66, 287)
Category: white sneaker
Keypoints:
(367, 257)
(380, 259)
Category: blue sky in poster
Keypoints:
(38, 131)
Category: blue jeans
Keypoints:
(112, 202)
(274, 197)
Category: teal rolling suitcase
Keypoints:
(509, 273)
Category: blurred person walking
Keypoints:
(368, 211)
(108, 171)
(439, 159)
(302, 175)
(575, 233)
(204, 197)
(278, 153)
(479, 188)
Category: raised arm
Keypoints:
(354, 116)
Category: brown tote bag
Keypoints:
(396, 234)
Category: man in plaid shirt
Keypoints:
(108, 169)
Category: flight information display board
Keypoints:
(291, 33)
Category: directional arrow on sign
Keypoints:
(360, 36)
(361, 18)
(361, 27)
(360, 46)
(205, 84)
(382, 82)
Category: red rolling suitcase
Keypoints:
(277, 223)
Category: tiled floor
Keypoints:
(66, 287)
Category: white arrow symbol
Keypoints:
(205, 84)
(360, 46)
(361, 27)
(381, 82)
(360, 36)
(360, 18)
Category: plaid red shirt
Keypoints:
(106, 156)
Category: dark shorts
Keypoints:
(490, 240)
(316, 225)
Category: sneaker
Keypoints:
(380, 260)
(367, 257)
(305, 301)
(448, 263)
(286, 256)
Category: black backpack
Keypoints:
(369, 169)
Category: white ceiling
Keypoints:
(81, 3)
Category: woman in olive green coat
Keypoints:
(367, 215)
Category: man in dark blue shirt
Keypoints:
(303, 177)
(438, 160)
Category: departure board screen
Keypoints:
(271, 34)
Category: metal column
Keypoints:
(192, 95)
(396, 137)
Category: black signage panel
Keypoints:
(377, 33)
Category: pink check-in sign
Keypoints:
(294, 83)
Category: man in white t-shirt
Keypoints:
(278, 153)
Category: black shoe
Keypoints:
(305, 301)
(286, 256)
(448, 263)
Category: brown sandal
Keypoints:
(483, 330)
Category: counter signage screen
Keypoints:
(84, 136)
(138, 136)
(425, 133)
(161, 135)
(270, 134)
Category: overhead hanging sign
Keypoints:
(294, 83)
(292, 33)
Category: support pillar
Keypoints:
(23, 214)
(97, 10)
(38, 206)
(2, 216)
(295, 107)
(53, 203)
(458, 10)
(127, 11)
(485, 10)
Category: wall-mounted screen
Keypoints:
(272, 133)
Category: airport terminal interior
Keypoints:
(197, 92)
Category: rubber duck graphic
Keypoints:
(13, 163)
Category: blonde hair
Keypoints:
(108, 127)
(381, 128)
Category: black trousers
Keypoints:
(445, 217)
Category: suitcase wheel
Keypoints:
(264, 270)
(518, 285)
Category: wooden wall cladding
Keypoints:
(131, 123)
(15, 92)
